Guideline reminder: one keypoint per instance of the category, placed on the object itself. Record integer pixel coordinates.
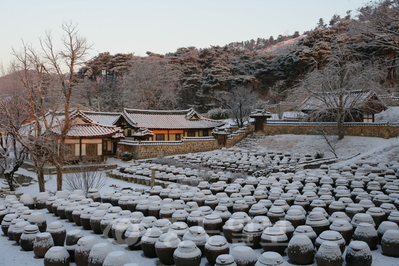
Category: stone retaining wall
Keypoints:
(151, 149)
(381, 130)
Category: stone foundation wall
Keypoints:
(145, 150)
(381, 130)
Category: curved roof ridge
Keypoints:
(145, 111)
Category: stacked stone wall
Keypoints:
(381, 130)
(143, 150)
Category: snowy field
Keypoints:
(380, 150)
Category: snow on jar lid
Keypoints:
(31, 228)
(216, 241)
(271, 258)
(274, 231)
(185, 248)
(225, 259)
(53, 226)
(341, 225)
(253, 227)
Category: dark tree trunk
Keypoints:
(10, 180)
(40, 178)
(58, 169)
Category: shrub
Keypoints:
(319, 155)
(126, 156)
(85, 179)
(218, 113)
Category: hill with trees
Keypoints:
(273, 68)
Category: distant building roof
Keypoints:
(81, 126)
(105, 118)
(366, 101)
(168, 119)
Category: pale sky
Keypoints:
(160, 26)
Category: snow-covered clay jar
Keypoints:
(49, 203)
(82, 250)
(270, 258)
(98, 253)
(213, 224)
(95, 220)
(329, 254)
(390, 243)
(198, 235)
(11, 228)
(274, 239)
(56, 256)
(232, 230)
(317, 221)
(133, 235)
(5, 224)
(39, 219)
(41, 200)
(165, 247)
(27, 200)
(251, 234)
(85, 217)
(71, 240)
(58, 233)
(118, 230)
(244, 256)
(106, 224)
(215, 246)
(332, 236)
(358, 253)
(3, 212)
(148, 242)
(225, 260)
(187, 253)
(296, 217)
(287, 227)
(18, 230)
(43, 242)
(384, 226)
(28, 237)
(300, 250)
(367, 233)
(344, 228)
(116, 258)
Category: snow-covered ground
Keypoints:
(389, 115)
(382, 150)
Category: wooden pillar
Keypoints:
(80, 149)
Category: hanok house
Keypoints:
(89, 140)
(165, 125)
(359, 106)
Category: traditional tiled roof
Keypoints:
(92, 130)
(352, 100)
(104, 118)
(166, 119)
(81, 126)
(143, 132)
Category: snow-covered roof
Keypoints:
(168, 119)
(362, 100)
(81, 126)
(105, 118)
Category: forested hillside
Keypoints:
(190, 76)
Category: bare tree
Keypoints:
(338, 90)
(151, 84)
(29, 70)
(12, 153)
(48, 78)
(85, 179)
(63, 64)
(240, 101)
